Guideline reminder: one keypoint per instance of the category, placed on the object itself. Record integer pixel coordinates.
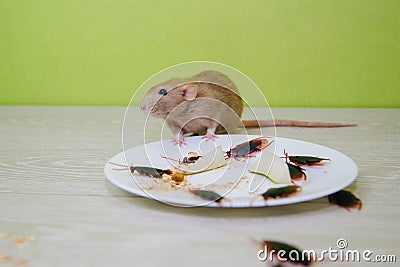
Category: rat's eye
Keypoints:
(162, 91)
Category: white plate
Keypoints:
(233, 180)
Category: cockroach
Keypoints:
(345, 199)
(296, 172)
(186, 160)
(246, 149)
(208, 195)
(279, 192)
(280, 253)
(189, 160)
(304, 160)
(146, 171)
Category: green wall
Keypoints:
(338, 53)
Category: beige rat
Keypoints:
(206, 104)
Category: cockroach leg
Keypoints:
(165, 157)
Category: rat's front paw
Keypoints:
(210, 136)
(180, 141)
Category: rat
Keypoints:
(207, 103)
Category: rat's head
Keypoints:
(161, 99)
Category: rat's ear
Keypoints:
(189, 91)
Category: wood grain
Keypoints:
(52, 186)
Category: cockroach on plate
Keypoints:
(208, 195)
(279, 192)
(191, 159)
(296, 172)
(186, 160)
(146, 171)
(345, 199)
(279, 253)
(246, 149)
(304, 160)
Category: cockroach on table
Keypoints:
(146, 171)
(345, 199)
(279, 253)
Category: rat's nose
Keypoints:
(145, 109)
(142, 106)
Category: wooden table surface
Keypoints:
(58, 209)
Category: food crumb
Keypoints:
(3, 234)
(17, 239)
(4, 258)
(178, 177)
(21, 241)
(148, 187)
(166, 178)
(20, 262)
(31, 239)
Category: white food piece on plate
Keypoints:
(212, 160)
(273, 167)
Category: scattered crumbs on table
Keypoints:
(20, 262)
(4, 258)
(21, 241)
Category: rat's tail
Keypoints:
(291, 123)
